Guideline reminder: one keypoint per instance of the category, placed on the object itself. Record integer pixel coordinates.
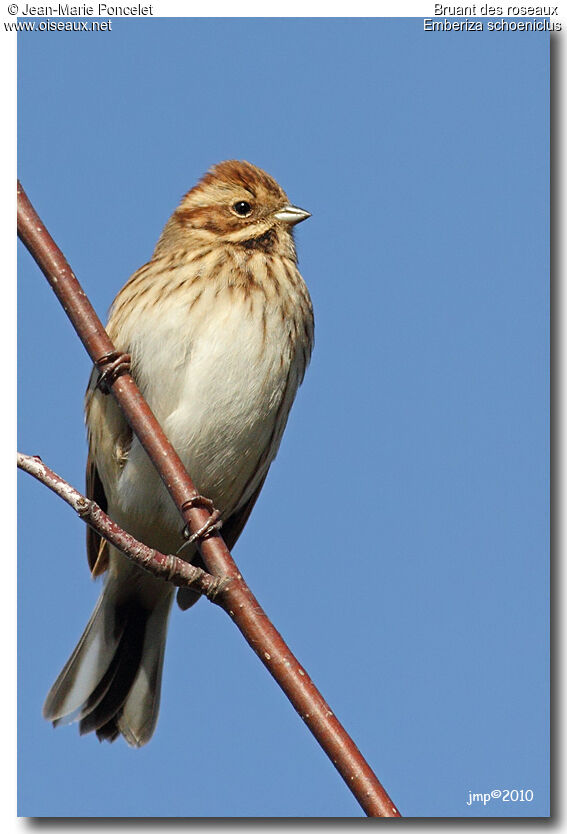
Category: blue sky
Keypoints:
(423, 158)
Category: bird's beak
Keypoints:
(291, 215)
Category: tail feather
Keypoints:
(121, 672)
(138, 717)
(88, 664)
(111, 683)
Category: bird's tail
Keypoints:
(111, 683)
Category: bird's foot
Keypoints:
(211, 525)
(115, 364)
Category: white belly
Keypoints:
(215, 381)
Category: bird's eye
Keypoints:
(242, 208)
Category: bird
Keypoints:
(219, 329)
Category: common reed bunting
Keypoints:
(219, 327)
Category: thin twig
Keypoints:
(237, 599)
(167, 567)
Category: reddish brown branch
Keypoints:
(167, 567)
(236, 599)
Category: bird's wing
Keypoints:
(97, 547)
(231, 530)
(233, 526)
(110, 438)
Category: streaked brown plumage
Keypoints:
(219, 325)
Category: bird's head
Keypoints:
(235, 203)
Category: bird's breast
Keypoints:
(219, 365)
